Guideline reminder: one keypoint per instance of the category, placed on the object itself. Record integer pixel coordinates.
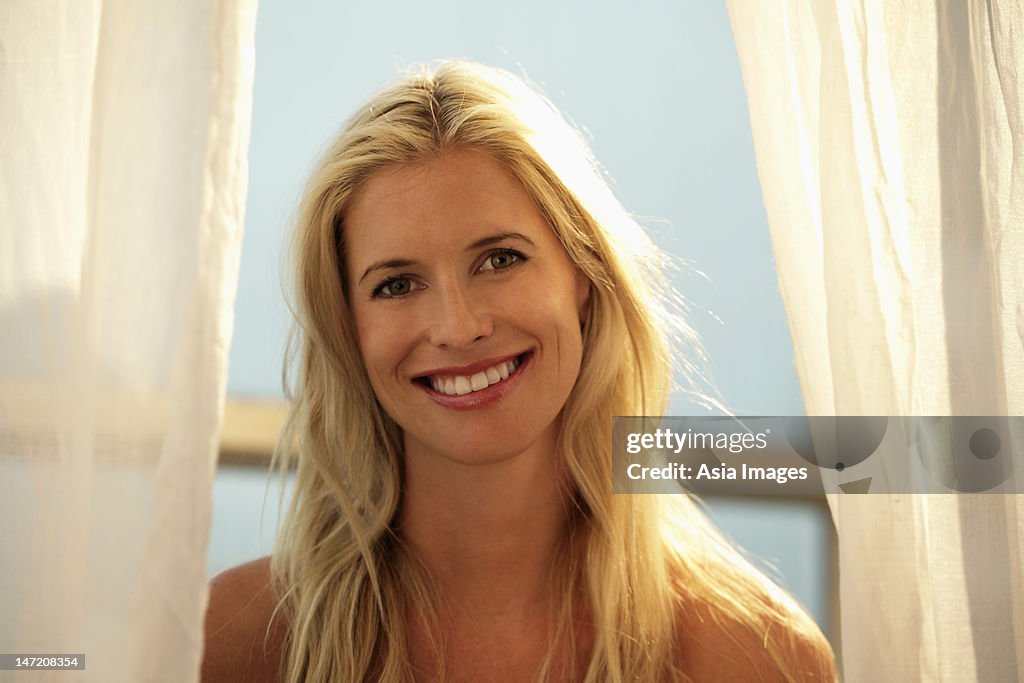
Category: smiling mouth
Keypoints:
(459, 385)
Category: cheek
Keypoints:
(563, 320)
(376, 342)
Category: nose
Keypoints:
(459, 321)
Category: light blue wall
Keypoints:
(658, 90)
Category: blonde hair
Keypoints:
(346, 583)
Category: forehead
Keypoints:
(447, 201)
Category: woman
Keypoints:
(475, 306)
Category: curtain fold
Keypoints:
(890, 149)
(123, 165)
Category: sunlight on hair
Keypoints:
(633, 565)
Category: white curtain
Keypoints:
(124, 128)
(891, 154)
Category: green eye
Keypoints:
(394, 287)
(500, 260)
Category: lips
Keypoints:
(458, 385)
(471, 379)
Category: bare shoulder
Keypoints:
(242, 643)
(716, 646)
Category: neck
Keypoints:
(487, 533)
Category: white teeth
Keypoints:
(478, 381)
(459, 385)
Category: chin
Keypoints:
(470, 449)
(473, 453)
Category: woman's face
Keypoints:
(467, 308)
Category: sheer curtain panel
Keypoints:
(890, 149)
(124, 128)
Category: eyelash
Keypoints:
(516, 256)
(379, 292)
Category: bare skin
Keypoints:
(479, 277)
(453, 270)
(241, 607)
(238, 647)
(488, 544)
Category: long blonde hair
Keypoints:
(346, 584)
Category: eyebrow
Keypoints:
(486, 241)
